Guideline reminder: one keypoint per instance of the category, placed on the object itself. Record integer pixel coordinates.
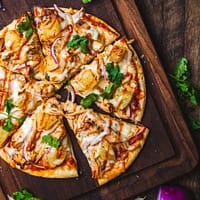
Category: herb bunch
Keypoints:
(188, 95)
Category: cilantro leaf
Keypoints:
(51, 141)
(181, 69)
(186, 92)
(9, 105)
(109, 91)
(114, 74)
(24, 194)
(88, 100)
(79, 41)
(25, 26)
(8, 126)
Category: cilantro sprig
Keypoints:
(79, 41)
(51, 141)
(25, 26)
(187, 94)
(115, 77)
(8, 126)
(24, 194)
(186, 91)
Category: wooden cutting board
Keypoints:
(169, 151)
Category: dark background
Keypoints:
(174, 27)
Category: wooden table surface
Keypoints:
(174, 27)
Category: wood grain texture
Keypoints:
(175, 153)
(174, 27)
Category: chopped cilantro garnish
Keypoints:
(109, 91)
(8, 126)
(114, 75)
(24, 194)
(79, 41)
(88, 100)
(25, 26)
(9, 105)
(51, 141)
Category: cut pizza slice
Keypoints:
(110, 145)
(69, 38)
(20, 49)
(114, 81)
(18, 98)
(41, 146)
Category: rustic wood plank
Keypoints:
(165, 155)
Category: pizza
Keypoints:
(57, 49)
(20, 49)
(116, 80)
(110, 145)
(41, 146)
(69, 38)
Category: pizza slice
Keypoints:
(18, 98)
(114, 81)
(20, 49)
(110, 145)
(41, 146)
(69, 39)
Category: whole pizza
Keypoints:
(57, 49)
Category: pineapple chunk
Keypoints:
(117, 53)
(51, 29)
(12, 40)
(53, 159)
(124, 97)
(45, 121)
(86, 80)
(106, 151)
(3, 136)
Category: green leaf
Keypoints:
(88, 100)
(86, 1)
(55, 143)
(114, 74)
(51, 141)
(25, 26)
(109, 91)
(7, 126)
(181, 68)
(195, 124)
(24, 194)
(21, 120)
(9, 105)
(79, 41)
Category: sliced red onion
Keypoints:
(104, 73)
(21, 67)
(38, 166)
(52, 50)
(72, 92)
(66, 16)
(173, 193)
(130, 110)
